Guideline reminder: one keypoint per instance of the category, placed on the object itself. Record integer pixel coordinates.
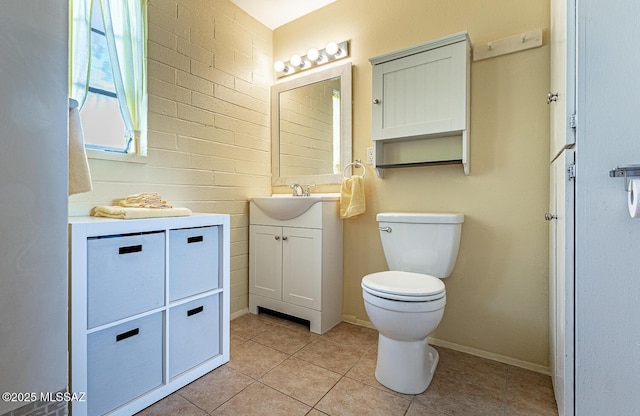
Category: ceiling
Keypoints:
(275, 13)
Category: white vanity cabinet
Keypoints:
(295, 266)
(422, 93)
(149, 308)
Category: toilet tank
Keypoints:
(425, 243)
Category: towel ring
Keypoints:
(356, 164)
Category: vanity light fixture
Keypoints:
(296, 60)
(313, 55)
(332, 49)
(314, 58)
(280, 66)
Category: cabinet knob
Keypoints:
(277, 237)
(376, 101)
(285, 238)
(552, 97)
(550, 217)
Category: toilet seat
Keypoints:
(404, 286)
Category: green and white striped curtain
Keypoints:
(125, 23)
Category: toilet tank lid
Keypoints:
(424, 218)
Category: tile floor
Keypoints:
(278, 367)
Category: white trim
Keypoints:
(115, 156)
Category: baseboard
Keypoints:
(352, 319)
(467, 350)
(239, 313)
(491, 356)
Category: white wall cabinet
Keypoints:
(149, 308)
(422, 93)
(295, 266)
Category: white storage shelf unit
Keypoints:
(421, 98)
(149, 308)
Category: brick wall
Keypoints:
(306, 129)
(209, 77)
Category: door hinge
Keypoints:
(571, 172)
(573, 123)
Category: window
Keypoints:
(108, 73)
(101, 119)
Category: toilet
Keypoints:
(406, 304)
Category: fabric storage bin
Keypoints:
(125, 276)
(193, 261)
(195, 333)
(124, 362)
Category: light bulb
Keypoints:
(296, 60)
(313, 54)
(332, 48)
(279, 66)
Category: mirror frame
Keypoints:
(344, 72)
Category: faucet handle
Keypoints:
(307, 191)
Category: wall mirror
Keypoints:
(311, 127)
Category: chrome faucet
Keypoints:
(297, 189)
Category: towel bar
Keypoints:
(358, 164)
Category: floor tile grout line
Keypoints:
(345, 341)
(221, 404)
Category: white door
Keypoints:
(265, 261)
(562, 82)
(33, 197)
(607, 238)
(561, 281)
(301, 267)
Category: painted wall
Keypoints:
(210, 72)
(33, 189)
(497, 296)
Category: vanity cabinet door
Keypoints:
(301, 267)
(265, 261)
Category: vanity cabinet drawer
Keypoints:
(195, 333)
(193, 261)
(125, 276)
(123, 362)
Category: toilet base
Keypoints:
(405, 366)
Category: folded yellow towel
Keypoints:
(135, 213)
(144, 200)
(352, 200)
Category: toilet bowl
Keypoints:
(407, 304)
(404, 322)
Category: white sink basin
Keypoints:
(285, 207)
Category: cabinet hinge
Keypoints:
(571, 172)
(573, 121)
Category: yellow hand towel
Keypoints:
(352, 200)
(134, 213)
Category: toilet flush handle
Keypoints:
(385, 229)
